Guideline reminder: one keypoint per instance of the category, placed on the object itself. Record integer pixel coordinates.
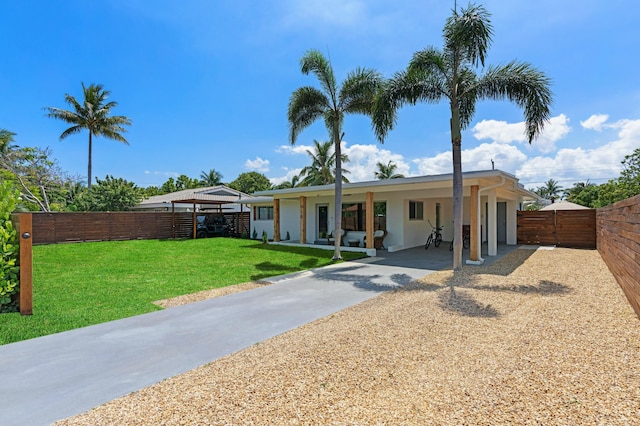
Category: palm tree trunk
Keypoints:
(456, 148)
(89, 162)
(338, 195)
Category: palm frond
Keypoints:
(524, 85)
(306, 105)
(469, 33)
(314, 62)
(358, 91)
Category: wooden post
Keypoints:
(474, 228)
(369, 219)
(26, 264)
(303, 220)
(193, 219)
(276, 220)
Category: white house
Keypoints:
(405, 208)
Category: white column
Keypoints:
(492, 231)
(512, 222)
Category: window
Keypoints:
(416, 210)
(354, 216)
(265, 213)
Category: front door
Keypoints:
(501, 225)
(323, 221)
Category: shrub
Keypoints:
(265, 237)
(9, 248)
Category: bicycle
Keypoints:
(466, 240)
(435, 237)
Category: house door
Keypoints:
(501, 225)
(323, 220)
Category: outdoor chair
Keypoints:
(378, 238)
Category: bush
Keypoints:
(265, 237)
(9, 249)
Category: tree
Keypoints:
(550, 190)
(113, 195)
(308, 104)
(322, 170)
(6, 138)
(450, 74)
(251, 182)
(295, 180)
(387, 171)
(576, 194)
(210, 178)
(93, 114)
(35, 172)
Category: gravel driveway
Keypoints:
(540, 337)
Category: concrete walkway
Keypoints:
(53, 377)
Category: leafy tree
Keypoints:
(185, 182)
(322, 170)
(449, 74)
(387, 171)
(308, 104)
(113, 194)
(92, 114)
(36, 173)
(210, 178)
(169, 186)
(581, 193)
(251, 182)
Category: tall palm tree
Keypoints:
(210, 178)
(387, 171)
(295, 181)
(449, 74)
(322, 170)
(93, 115)
(308, 104)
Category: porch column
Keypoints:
(369, 219)
(303, 220)
(492, 220)
(276, 219)
(474, 228)
(512, 222)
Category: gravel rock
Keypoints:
(540, 337)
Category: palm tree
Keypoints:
(550, 190)
(210, 178)
(295, 181)
(93, 115)
(450, 74)
(308, 104)
(387, 171)
(322, 170)
(6, 138)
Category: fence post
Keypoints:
(26, 264)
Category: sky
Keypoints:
(207, 83)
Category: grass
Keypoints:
(77, 285)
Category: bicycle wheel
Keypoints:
(438, 240)
(429, 241)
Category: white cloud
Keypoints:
(159, 173)
(506, 133)
(363, 160)
(258, 164)
(595, 122)
(294, 149)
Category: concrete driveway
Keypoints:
(57, 376)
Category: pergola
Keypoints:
(200, 199)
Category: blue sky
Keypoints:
(207, 84)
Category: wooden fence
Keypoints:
(619, 245)
(562, 228)
(49, 228)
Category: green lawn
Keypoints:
(75, 285)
